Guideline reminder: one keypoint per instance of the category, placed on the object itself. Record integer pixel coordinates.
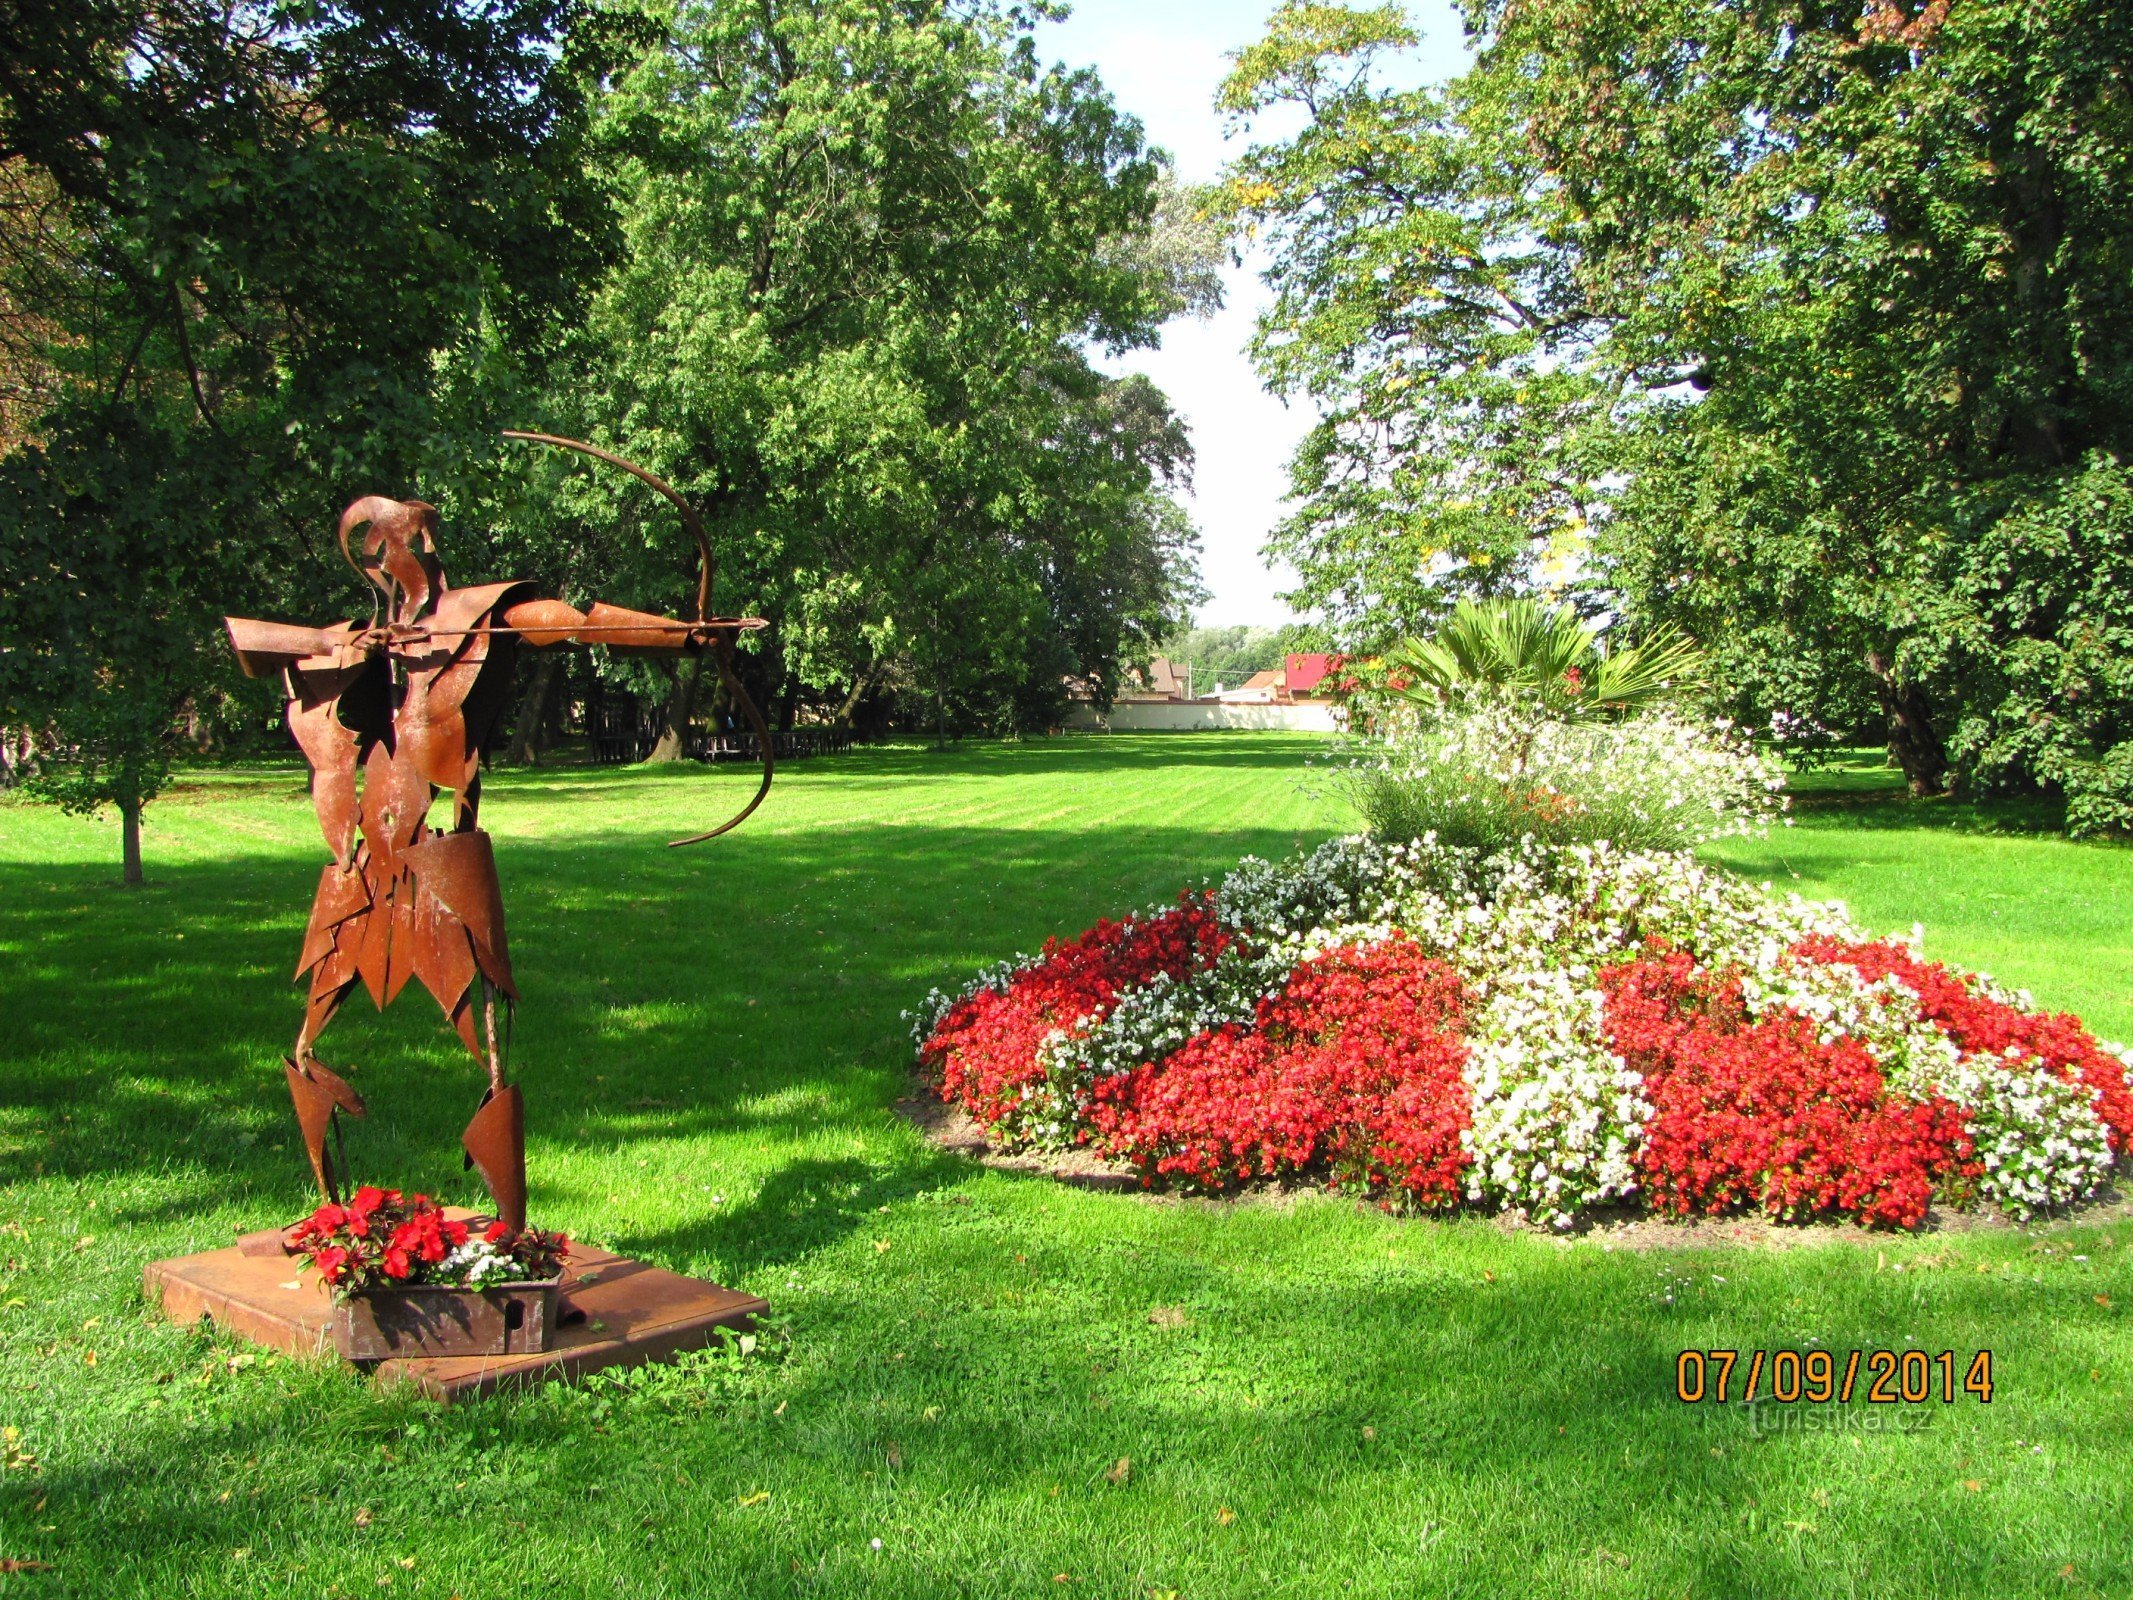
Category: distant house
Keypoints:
(1260, 689)
(1297, 679)
(1164, 680)
(1303, 671)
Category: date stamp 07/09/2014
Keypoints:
(1820, 1377)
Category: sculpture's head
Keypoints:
(398, 552)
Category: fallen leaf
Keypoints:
(93, 1322)
(89, 1360)
(362, 1516)
(407, 1563)
(1121, 1471)
(2104, 1300)
(1972, 1485)
(930, 1414)
(760, 1497)
(1225, 1516)
(782, 1404)
(1487, 1276)
(2067, 1571)
(1060, 1577)
(880, 1245)
(12, 1564)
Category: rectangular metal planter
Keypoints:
(431, 1320)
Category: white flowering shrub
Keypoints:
(1485, 772)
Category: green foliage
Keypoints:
(1752, 317)
(1419, 306)
(253, 258)
(1548, 655)
(1230, 655)
(867, 247)
(2036, 644)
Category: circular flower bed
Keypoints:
(1544, 1029)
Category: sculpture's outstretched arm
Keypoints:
(542, 623)
(264, 648)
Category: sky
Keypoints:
(1163, 60)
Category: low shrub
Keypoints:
(1488, 771)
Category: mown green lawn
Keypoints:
(1309, 1398)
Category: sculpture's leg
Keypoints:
(314, 1115)
(318, 1091)
(495, 1140)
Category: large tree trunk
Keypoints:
(1913, 740)
(529, 728)
(681, 704)
(850, 708)
(130, 842)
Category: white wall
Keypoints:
(1153, 716)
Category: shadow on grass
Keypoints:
(1860, 790)
(1070, 752)
(757, 994)
(1886, 812)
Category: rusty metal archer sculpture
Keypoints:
(390, 714)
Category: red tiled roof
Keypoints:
(1300, 672)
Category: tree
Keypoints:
(254, 255)
(868, 246)
(1781, 306)
(1421, 303)
(1230, 655)
(1887, 249)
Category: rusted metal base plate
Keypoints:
(633, 1313)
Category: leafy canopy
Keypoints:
(1754, 320)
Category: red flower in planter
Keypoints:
(381, 1237)
(331, 1261)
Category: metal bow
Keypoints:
(721, 644)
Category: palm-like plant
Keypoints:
(1522, 647)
